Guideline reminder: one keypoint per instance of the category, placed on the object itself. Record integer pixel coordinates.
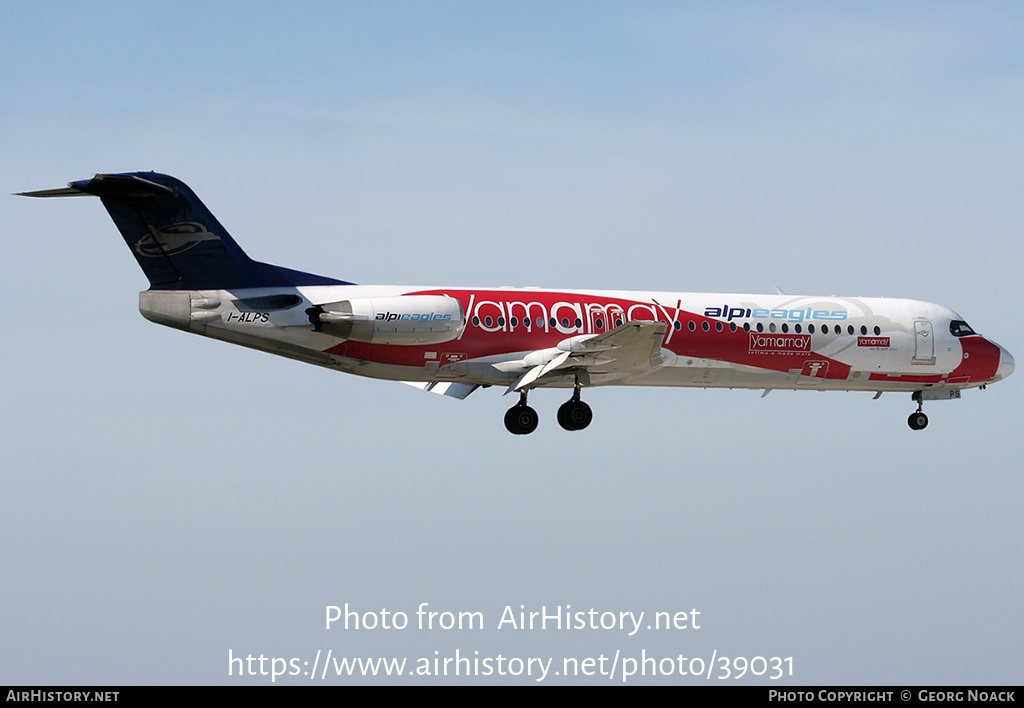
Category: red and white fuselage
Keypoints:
(494, 336)
(455, 340)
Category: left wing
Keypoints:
(627, 350)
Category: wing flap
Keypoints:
(536, 372)
(626, 350)
(454, 389)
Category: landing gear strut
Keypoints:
(918, 420)
(520, 419)
(574, 414)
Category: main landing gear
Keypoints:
(520, 419)
(918, 420)
(574, 414)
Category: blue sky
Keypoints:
(166, 499)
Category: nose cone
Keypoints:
(1005, 364)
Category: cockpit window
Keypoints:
(959, 328)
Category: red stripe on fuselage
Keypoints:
(594, 315)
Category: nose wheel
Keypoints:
(918, 420)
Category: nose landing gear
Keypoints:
(918, 420)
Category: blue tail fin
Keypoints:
(178, 243)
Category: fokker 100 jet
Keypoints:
(453, 340)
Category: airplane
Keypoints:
(452, 341)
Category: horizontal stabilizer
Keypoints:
(127, 186)
(61, 192)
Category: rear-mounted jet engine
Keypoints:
(403, 320)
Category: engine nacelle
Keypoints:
(403, 320)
